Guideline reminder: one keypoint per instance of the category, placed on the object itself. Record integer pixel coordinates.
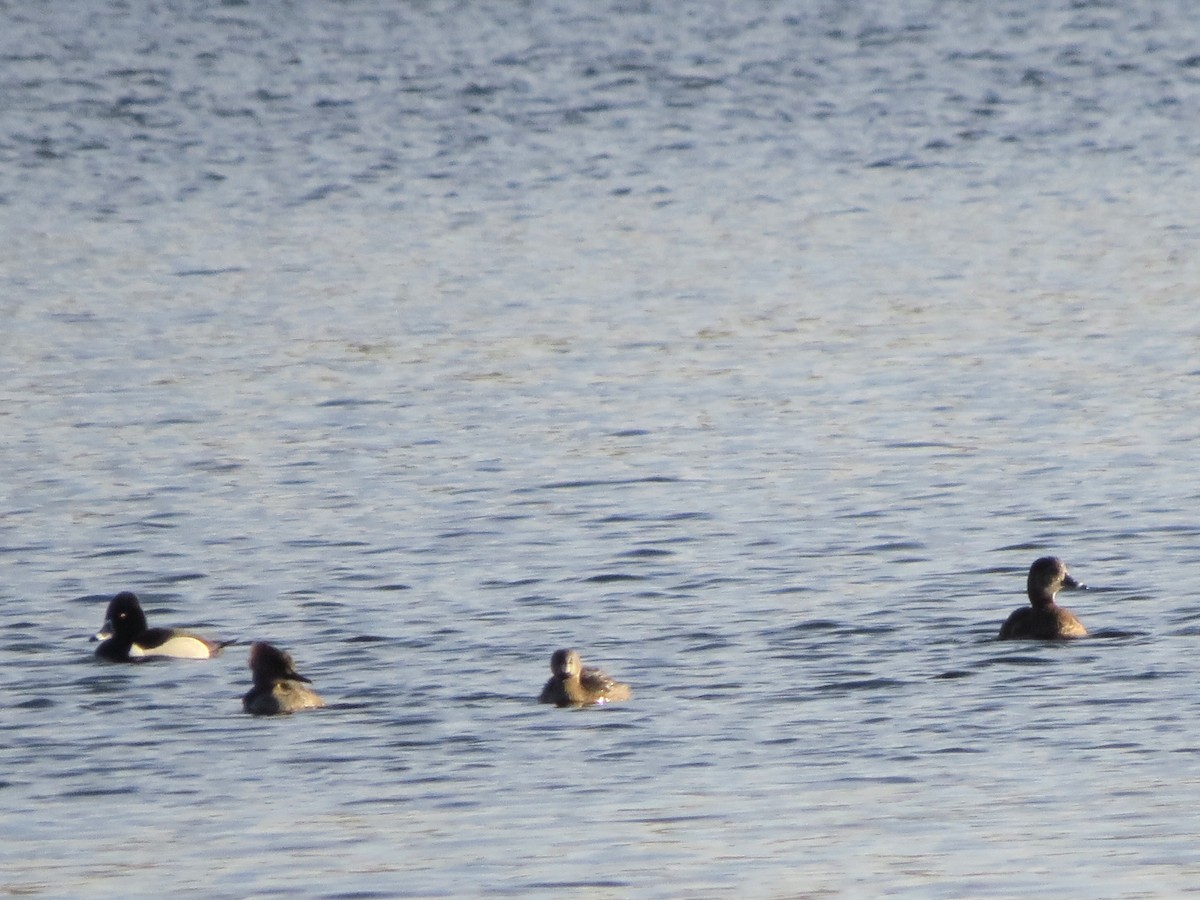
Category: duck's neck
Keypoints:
(1041, 599)
(573, 688)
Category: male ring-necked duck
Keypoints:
(126, 638)
(1044, 619)
(574, 685)
(278, 687)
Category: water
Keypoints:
(755, 351)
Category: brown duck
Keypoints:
(1044, 619)
(574, 685)
(278, 687)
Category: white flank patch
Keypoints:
(181, 646)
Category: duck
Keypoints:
(574, 685)
(125, 636)
(278, 687)
(1044, 619)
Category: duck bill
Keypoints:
(1070, 584)
(104, 633)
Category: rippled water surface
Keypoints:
(753, 349)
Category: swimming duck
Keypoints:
(125, 636)
(1044, 619)
(573, 685)
(277, 685)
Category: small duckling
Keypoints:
(277, 685)
(573, 685)
(125, 636)
(1044, 619)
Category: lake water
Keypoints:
(753, 349)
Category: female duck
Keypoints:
(573, 685)
(126, 638)
(278, 687)
(1044, 619)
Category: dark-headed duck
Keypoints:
(278, 687)
(574, 685)
(126, 638)
(1044, 619)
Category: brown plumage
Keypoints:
(1044, 619)
(574, 685)
(278, 687)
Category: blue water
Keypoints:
(753, 349)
